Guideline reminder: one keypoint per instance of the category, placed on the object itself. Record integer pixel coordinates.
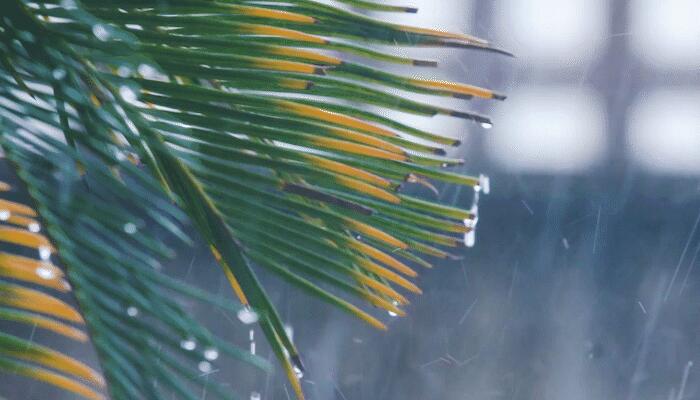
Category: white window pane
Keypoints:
(549, 130)
(666, 33)
(553, 33)
(664, 132)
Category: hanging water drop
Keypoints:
(247, 316)
(127, 93)
(188, 344)
(391, 313)
(485, 183)
(34, 227)
(132, 311)
(204, 367)
(470, 238)
(44, 253)
(58, 74)
(486, 125)
(289, 330)
(298, 372)
(211, 354)
(255, 396)
(101, 32)
(46, 272)
(130, 228)
(4, 215)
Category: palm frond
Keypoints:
(20, 303)
(252, 120)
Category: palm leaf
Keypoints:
(253, 122)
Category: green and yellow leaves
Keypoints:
(26, 286)
(265, 123)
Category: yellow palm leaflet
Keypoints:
(33, 300)
(42, 322)
(458, 88)
(387, 274)
(303, 54)
(388, 306)
(374, 233)
(381, 257)
(284, 33)
(60, 362)
(62, 382)
(447, 35)
(17, 208)
(284, 66)
(294, 84)
(273, 14)
(364, 138)
(380, 288)
(24, 238)
(345, 169)
(30, 270)
(367, 189)
(23, 221)
(231, 278)
(320, 114)
(355, 148)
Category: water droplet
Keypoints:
(34, 227)
(248, 316)
(147, 71)
(470, 239)
(204, 367)
(58, 73)
(289, 330)
(127, 93)
(211, 354)
(391, 313)
(298, 372)
(251, 334)
(445, 165)
(132, 311)
(124, 71)
(130, 228)
(485, 183)
(44, 252)
(255, 396)
(486, 125)
(46, 272)
(188, 344)
(101, 32)
(4, 215)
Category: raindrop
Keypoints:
(251, 334)
(470, 239)
(298, 372)
(391, 313)
(248, 316)
(44, 253)
(132, 311)
(289, 330)
(127, 93)
(34, 227)
(445, 165)
(147, 71)
(485, 183)
(252, 348)
(130, 228)
(188, 344)
(4, 215)
(255, 396)
(124, 71)
(58, 73)
(204, 367)
(486, 125)
(101, 32)
(46, 272)
(211, 354)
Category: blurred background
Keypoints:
(583, 282)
